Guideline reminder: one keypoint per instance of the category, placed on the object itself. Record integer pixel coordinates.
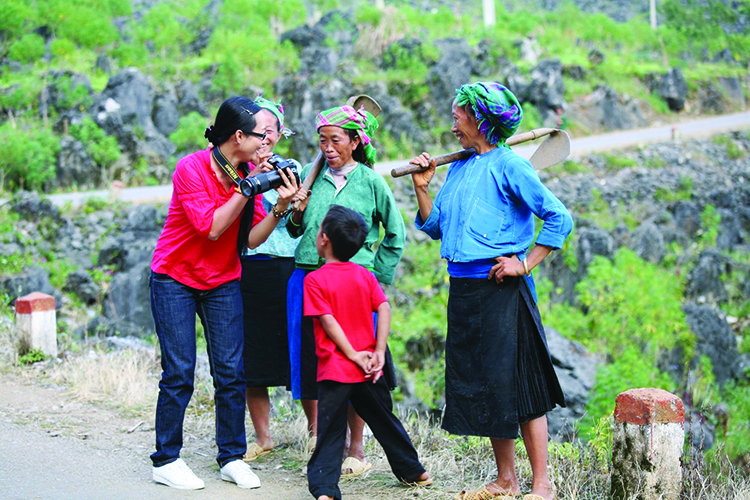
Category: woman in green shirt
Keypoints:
(346, 179)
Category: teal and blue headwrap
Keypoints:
(496, 109)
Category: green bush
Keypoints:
(29, 156)
(624, 302)
(189, 133)
(104, 149)
(28, 49)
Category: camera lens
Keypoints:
(251, 186)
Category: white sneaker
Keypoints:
(177, 475)
(239, 472)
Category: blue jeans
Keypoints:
(174, 307)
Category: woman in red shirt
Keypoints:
(196, 270)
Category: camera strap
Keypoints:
(226, 166)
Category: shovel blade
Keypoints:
(554, 149)
(370, 104)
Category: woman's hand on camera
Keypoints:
(286, 191)
(422, 179)
(261, 162)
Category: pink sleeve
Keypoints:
(376, 293)
(198, 205)
(315, 302)
(260, 210)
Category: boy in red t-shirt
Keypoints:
(341, 296)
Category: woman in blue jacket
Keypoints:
(499, 374)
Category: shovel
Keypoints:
(356, 102)
(552, 151)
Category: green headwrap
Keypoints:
(496, 109)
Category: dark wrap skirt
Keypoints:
(266, 350)
(498, 371)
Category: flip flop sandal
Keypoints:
(355, 466)
(418, 482)
(254, 452)
(483, 494)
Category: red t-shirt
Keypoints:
(351, 294)
(184, 251)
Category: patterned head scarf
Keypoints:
(496, 109)
(278, 111)
(347, 117)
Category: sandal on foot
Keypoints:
(254, 452)
(418, 482)
(532, 496)
(353, 467)
(484, 494)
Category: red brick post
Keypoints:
(36, 323)
(648, 439)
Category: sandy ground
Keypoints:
(52, 446)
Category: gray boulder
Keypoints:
(32, 279)
(576, 369)
(733, 88)
(188, 99)
(124, 109)
(75, 167)
(591, 242)
(127, 301)
(647, 242)
(165, 114)
(715, 340)
(80, 283)
(547, 89)
(711, 99)
(136, 243)
(672, 87)
(604, 108)
(452, 70)
(703, 281)
(304, 36)
(302, 101)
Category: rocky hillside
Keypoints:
(91, 92)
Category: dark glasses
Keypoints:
(258, 135)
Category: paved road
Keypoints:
(700, 128)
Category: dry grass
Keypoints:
(128, 380)
(122, 378)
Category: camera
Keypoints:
(257, 184)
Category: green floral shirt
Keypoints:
(366, 192)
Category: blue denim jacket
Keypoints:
(485, 209)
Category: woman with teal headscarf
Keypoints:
(498, 374)
(265, 272)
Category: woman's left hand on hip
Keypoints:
(506, 266)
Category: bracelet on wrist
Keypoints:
(526, 267)
(279, 214)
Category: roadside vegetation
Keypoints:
(177, 40)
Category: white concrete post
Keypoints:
(648, 438)
(36, 323)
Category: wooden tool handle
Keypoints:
(465, 153)
(317, 165)
(439, 160)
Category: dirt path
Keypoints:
(52, 447)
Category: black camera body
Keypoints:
(257, 184)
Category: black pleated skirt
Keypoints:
(266, 350)
(498, 370)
